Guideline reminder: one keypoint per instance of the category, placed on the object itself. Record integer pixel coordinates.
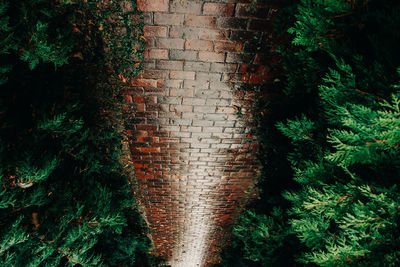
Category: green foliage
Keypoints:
(339, 121)
(65, 197)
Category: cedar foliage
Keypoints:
(65, 198)
(337, 124)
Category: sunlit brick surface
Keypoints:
(193, 155)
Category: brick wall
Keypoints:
(193, 156)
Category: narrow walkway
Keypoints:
(193, 156)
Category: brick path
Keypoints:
(193, 155)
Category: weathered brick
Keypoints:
(186, 7)
(181, 92)
(156, 31)
(170, 64)
(190, 115)
(220, 86)
(208, 76)
(170, 43)
(170, 83)
(184, 32)
(181, 122)
(156, 53)
(183, 55)
(218, 9)
(181, 108)
(243, 36)
(199, 45)
(200, 21)
(202, 123)
(152, 5)
(215, 117)
(170, 99)
(228, 47)
(205, 109)
(154, 74)
(235, 77)
(217, 102)
(197, 66)
(239, 58)
(147, 18)
(187, 75)
(184, 118)
(201, 93)
(211, 56)
(226, 110)
(223, 67)
(212, 129)
(213, 34)
(144, 82)
(168, 19)
(202, 84)
(232, 23)
(193, 101)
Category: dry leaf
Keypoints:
(78, 55)
(35, 221)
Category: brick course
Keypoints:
(193, 156)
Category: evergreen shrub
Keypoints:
(65, 197)
(335, 122)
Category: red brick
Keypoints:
(218, 9)
(138, 99)
(156, 31)
(200, 21)
(258, 79)
(211, 56)
(228, 47)
(128, 98)
(150, 149)
(140, 107)
(152, 5)
(199, 45)
(168, 19)
(185, 75)
(144, 82)
(156, 53)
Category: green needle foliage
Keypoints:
(339, 133)
(65, 198)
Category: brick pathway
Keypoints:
(192, 153)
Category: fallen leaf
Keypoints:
(78, 55)
(35, 221)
